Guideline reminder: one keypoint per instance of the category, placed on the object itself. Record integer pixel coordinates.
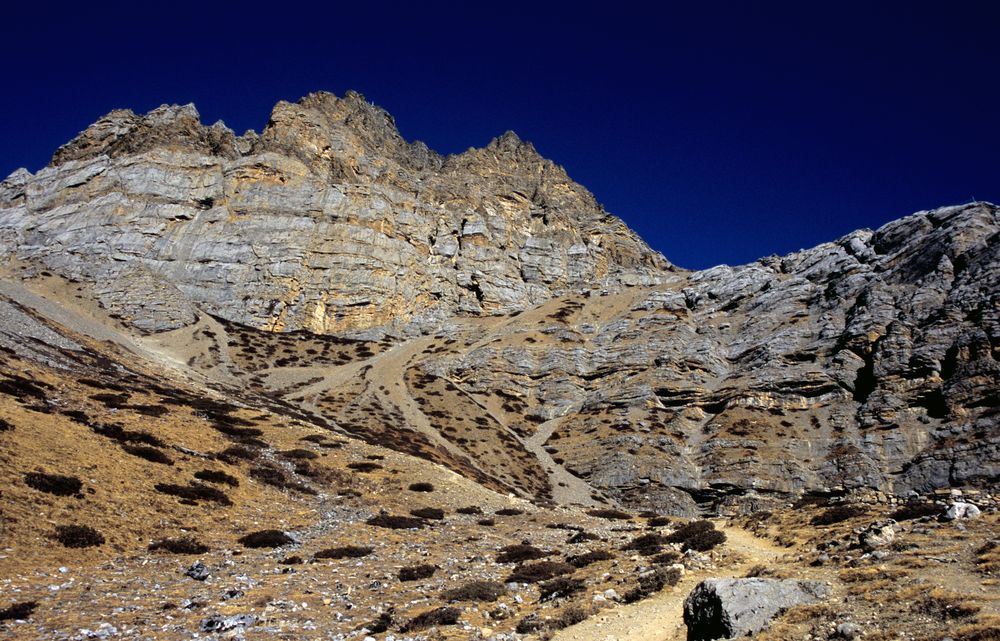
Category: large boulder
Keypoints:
(730, 608)
(878, 535)
(959, 510)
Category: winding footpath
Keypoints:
(660, 617)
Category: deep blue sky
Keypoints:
(720, 133)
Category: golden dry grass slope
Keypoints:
(221, 480)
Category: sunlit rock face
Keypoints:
(870, 361)
(327, 221)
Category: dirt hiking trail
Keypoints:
(661, 617)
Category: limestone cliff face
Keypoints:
(871, 361)
(505, 325)
(328, 221)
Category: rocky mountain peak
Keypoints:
(506, 153)
(329, 220)
(321, 128)
(122, 132)
(510, 144)
(511, 165)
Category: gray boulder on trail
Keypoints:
(730, 608)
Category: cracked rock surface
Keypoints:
(327, 221)
(484, 311)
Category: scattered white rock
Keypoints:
(960, 510)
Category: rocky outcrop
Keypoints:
(731, 608)
(878, 535)
(961, 510)
(327, 221)
(869, 362)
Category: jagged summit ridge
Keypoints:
(328, 220)
(305, 128)
(123, 132)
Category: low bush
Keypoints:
(559, 588)
(23, 388)
(421, 487)
(53, 483)
(440, 616)
(533, 623)
(298, 454)
(112, 401)
(837, 514)
(763, 571)
(705, 541)
(150, 410)
(265, 539)
(148, 453)
(292, 560)
(392, 522)
(274, 476)
(665, 558)
(581, 537)
(18, 611)
(431, 513)
(915, 510)
(472, 509)
(194, 492)
(660, 521)
(417, 572)
(483, 591)
(872, 574)
(238, 433)
(509, 511)
(78, 536)
(486, 522)
(946, 605)
(520, 552)
(379, 625)
(588, 558)
(122, 435)
(345, 552)
(571, 615)
(271, 475)
(252, 442)
(183, 545)
(364, 466)
(611, 515)
(985, 628)
(539, 571)
(688, 530)
(236, 453)
(647, 544)
(697, 535)
(759, 518)
(652, 583)
(312, 470)
(213, 476)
